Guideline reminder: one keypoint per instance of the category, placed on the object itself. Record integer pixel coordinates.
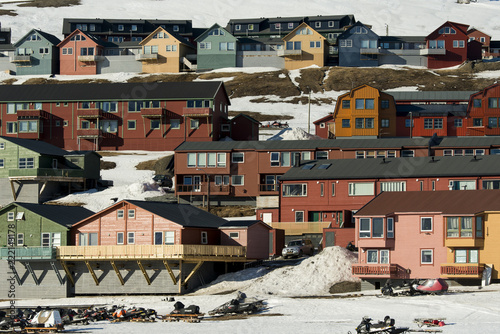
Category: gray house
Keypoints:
(36, 53)
(358, 46)
(34, 171)
(216, 48)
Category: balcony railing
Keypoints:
(268, 188)
(284, 53)
(196, 112)
(20, 59)
(146, 57)
(31, 113)
(89, 133)
(93, 58)
(425, 52)
(370, 51)
(462, 270)
(377, 270)
(131, 252)
(202, 189)
(295, 228)
(46, 172)
(89, 113)
(152, 112)
(27, 253)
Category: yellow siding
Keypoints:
(309, 56)
(489, 253)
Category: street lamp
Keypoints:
(208, 188)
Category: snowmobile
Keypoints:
(188, 314)
(383, 327)
(405, 289)
(241, 304)
(432, 286)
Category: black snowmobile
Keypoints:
(239, 305)
(382, 327)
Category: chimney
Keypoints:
(296, 159)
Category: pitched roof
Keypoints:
(110, 91)
(182, 214)
(242, 224)
(37, 146)
(430, 95)
(60, 214)
(445, 201)
(396, 168)
(49, 37)
(247, 117)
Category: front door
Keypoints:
(267, 217)
(197, 183)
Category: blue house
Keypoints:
(36, 53)
(358, 47)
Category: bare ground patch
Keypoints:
(50, 3)
(260, 116)
(106, 165)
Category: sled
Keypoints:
(194, 318)
(430, 322)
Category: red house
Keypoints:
(79, 53)
(447, 45)
(115, 116)
(253, 234)
(484, 112)
(483, 39)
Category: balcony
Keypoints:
(269, 189)
(27, 253)
(202, 189)
(23, 173)
(146, 57)
(378, 271)
(196, 112)
(428, 52)
(152, 112)
(376, 242)
(160, 252)
(20, 59)
(90, 59)
(92, 113)
(462, 270)
(370, 51)
(295, 228)
(89, 133)
(31, 114)
(285, 53)
(464, 242)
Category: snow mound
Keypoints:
(313, 276)
(293, 134)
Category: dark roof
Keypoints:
(394, 168)
(430, 95)
(287, 19)
(304, 144)
(247, 117)
(49, 37)
(432, 109)
(476, 142)
(182, 214)
(241, 223)
(37, 146)
(409, 39)
(110, 91)
(445, 201)
(495, 44)
(60, 214)
(239, 21)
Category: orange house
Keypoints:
(304, 47)
(80, 53)
(364, 112)
(164, 52)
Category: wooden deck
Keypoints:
(159, 252)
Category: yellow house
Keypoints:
(163, 52)
(304, 47)
(364, 111)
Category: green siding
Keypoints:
(11, 154)
(40, 63)
(214, 58)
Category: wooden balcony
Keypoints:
(90, 59)
(462, 270)
(27, 253)
(269, 189)
(196, 112)
(146, 57)
(427, 52)
(151, 252)
(31, 114)
(370, 51)
(92, 113)
(48, 174)
(20, 59)
(295, 228)
(89, 133)
(285, 53)
(378, 270)
(152, 112)
(202, 189)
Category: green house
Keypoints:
(216, 49)
(36, 53)
(34, 171)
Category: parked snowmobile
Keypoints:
(433, 286)
(188, 314)
(405, 289)
(383, 327)
(241, 304)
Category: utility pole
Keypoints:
(309, 113)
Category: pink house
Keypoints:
(253, 234)
(79, 53)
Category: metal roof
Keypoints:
(36, 146)
(60, 214)
(110, 91)
(242, 223)
(446, 202)
(402, 39)
(430, 95)
(394, 168)
(182, 214)
(432, 109)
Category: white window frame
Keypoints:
(299, 220)
(120, 214)
(234, 235)
(169, 235)
(303, 190)
(20, 237)
(365, 233)
(10, 216)
(391, 186)
(431, 253)
(352, 190)
(422, 222)
(130, 238)
(390, 227)
(118, 234)
(221, 159)
(131, 213)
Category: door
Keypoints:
(158, 238)
(267, 217)
(314, 216)
(270, 179)
(197, 183)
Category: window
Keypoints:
(169, 237)
(346, 123)
(130, 238)
(361, 189)
(378, 228)
(466, 256)
(205, 45)
(359, 123)
(492, 122)
(11, 127)
(237, 180)
(194, 124)
(26, 163)
(155, 124)
(384, 123)
(377, 256)
(492, 102)
(204, 238)
(438, 123)
(427, 123)
(436, 44)
(333, 189)
(321, 155)
(237, 27)
(393, 186)
(175, 124)
(202, 159)
(409, 123)
(457, 123)
(20, 239)
(364, 228)
(67, 51)
(108, 106)
(295, 190)
(459, 44)
(2, 163)
(275, 159)
(131, 213)
(476, 103)
(191, 159)
(407, 153)
(462, 185)
(479, 227)
(234, 235)
(10, 216)
(390, 227)
(221, 159)
(360, 103)
(346, 43)
(460, 227)
(121, 27)
(54, 239)
(426, 256)
(477, 122)
(238, 157)
(211, 159)
(369, 123)
(426, 224)
(360, 30)
(346, 104)
(250, 27)
(299, 216)
(131, 124)
(119, 238)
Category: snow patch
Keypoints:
(293, 134)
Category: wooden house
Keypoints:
(483, 112)
(304, 47)
(447, 45)
(216, 48)
(36, 53)
(79, 53)
(255, 235)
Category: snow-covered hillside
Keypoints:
(398, 17)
